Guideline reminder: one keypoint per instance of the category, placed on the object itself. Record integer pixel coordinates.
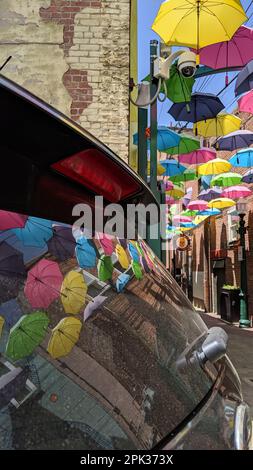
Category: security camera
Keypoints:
(187, 64)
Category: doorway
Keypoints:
(218, 278)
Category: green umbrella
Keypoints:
(226, 179)
(189, 213)
(136, 267)
(26, 335)
(187, 144)
(105, 268)
(187, 175)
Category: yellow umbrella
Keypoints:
(160, 169)
(222, 124)
(199, 218)
(122, 256)
(1, 325)
(198, 23)
(221, 203)
(64, 336)
(176, 192)
(214, 167)
(73, 292)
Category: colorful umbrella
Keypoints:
(189, 213)
(209, 194)
(205, 181)
(197, 205)
(107, 243)
(188, 175)
(170, 200)
(223, 124)
(188, 225)
(122, 281)
(203, 155)
(2, 321)
(10, 220)
(93, 305)
(237, 192)
(221, 203)
(226, 179)
(214, 167)
(134, 253)
(177, 192)
(248, 177)
(62, 244)
(178, 219)
(122, 256)
(64, 337)
(105, 268)
(202, 106)
(165, 138)
(244, 81)
(245, 104)
(36, 232)
(168, 185)
(136, 268)
(194, 24)
(11, 261)
(85, 253)
(187, 197)
(242, 158)
(178, 87)
(199, 219)
(160, 169)
(11, 312)
(43, 284)
(209, 212)
(73, 292)
(235, 140)
(26, 335)
(172, 167)
(186, 144)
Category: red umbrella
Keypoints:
(43, 284)
(10, 220)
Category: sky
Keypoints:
(147, 10)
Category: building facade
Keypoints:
(75, 54)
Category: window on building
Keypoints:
(233, 225)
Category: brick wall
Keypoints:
(75, 55)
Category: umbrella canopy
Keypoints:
(165, 138)
(64, 337)
(36, 232)
(214, 167)
(209, 194)
(172, 167)
(223, 124)
(11, 312)
(106, 243)
(134, 253)
(105, 268)
(177, 192)
(197, 205)
(73, 292)
(221, 203)
(2, 321)
(186, 144)
(178, 219)
(170, 200)
(198, 24)
(242, 158)
(188, 225)
(179, 88)
(62, 244)
(93, 305)
(202, 106)
(248, 177)
(122, 281)
(136, 268)
(85, 253)
(160, 169)
(202, 155)
(245, 103)
(235, 140)
(209, 212)
(10, 220)
(11, 261)
(187, 197)
(168, 185)
(199, 219)
(26, 335)
(188, 175)
(205, 181)
(236, 192)
(43, 284)
(122, 256)
(226, 179)
(189, 213)
(244, 81)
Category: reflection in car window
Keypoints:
(90, 334)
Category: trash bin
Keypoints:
(230, 304)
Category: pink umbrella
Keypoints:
(178, 219)
(106, 243)
(198, 156)
(198, 205)
(234, 53)
(236, 192)
(245, 104)
(168, 185)
(170, 200)
(10, 220)
(43, 284)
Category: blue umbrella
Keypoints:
(166, 138)
(122, 281)
(202, 106)
(206, 180)
(36, 232)
(172, 167)
(209, 212)
(244, 81)
(85, 253)
(187, 225)
(210, 193)
(30, 253)
(235, 140)
(248, 177)
(11, 312)
(133, 252)
(243, 158)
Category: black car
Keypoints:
(117, 356)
